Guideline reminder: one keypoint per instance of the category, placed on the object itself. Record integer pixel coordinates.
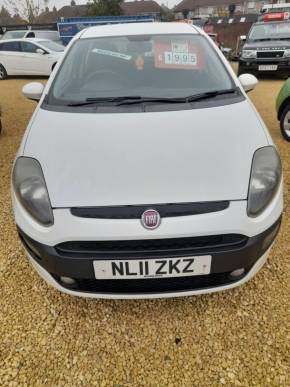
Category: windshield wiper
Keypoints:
(94, 101)
(188, 99)
(131, 100)
(210, 94)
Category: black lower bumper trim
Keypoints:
(224, 261)
(152, 286)
(248, 66)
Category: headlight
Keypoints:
(249, 54)
(30, 189)
(266, 176)
(287, 53)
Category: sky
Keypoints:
(60, 3)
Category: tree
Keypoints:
(4, 13)
(105, 8)
(28, 10)
(73, 3)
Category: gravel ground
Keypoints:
(235, 338)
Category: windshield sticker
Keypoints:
(178, 54)
(112, 53)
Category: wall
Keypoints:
(229, 33)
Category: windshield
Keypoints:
(14, 34)
(280, 30)
(151, 66)
(51, 35)
(52, 46)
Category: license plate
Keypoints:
(268, 67)
(152, 268)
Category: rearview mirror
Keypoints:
(40, 51)
(33, 90)
(248, 82)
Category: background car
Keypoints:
(28, 57)
(41, 34)
(283, 109)
(267, 47)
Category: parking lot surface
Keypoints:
(236, 338)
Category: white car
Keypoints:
(40, 34)
(145, 170)
(28, 57)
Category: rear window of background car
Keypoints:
(10, 46)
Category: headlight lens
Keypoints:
(287, 53)
(266, 176)
(249, 54)
(30, 189)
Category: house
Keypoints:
(142, 8)
(129, 8)
(73, 11)
(206, 8)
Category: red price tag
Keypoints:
(177, 55)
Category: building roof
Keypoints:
(73, 11)
(132, 8)
(193, 4)
(129, 8)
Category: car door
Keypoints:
(10, 57)
(34, 63)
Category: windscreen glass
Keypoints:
(153, 66)
(14, 34)
(52, 46)
(278, 30)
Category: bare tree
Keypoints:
(29, 10)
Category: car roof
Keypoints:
(271, 22)
(32, 40)
(128, 29)
(31, 31)
(16, 31)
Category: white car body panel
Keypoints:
(71, 228)
(190, 161)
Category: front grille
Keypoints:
(270, 54)
(144, 247)
(147, 286)
(135, 212)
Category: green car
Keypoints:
(283, 109)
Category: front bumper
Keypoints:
(252, 65)
(249, 253)
(52, 282)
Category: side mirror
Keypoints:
(33, 91)
(40, 51)
(243, 38)
(248, 82)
